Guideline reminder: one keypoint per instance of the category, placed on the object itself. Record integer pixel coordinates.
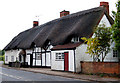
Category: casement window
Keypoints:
(38, 56)
(59, 56)
(115, 53)
(12, 58)
(75, 39)
(6, 58)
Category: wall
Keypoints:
(38, 62)
(81, 56)
(10, 53)
(100, 67)
(28, 52)
(105, 21)
(109, 57)
(59, 64)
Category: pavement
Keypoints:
(48, 71)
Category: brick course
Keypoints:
(100, 67)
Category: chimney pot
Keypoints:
(35, 23)
(64, 13)
(106, 5)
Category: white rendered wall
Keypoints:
(28, 59)
(105, 21)
(38, 62)
(109, 57)
(81, 56)
(59, 64)
(10, 53)
(28, 52)
(48, 59)
(43, 59)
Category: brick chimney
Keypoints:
(106, 5)
(35, 23)
(64, 13)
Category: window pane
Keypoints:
(59, 56)
(115, 53)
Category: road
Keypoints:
(19, 75)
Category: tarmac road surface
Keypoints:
(19, 75)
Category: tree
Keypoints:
(2, 55)
(2, 52)
(100, 44)
(116, 27)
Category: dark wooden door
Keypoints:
(66, 61)
(31, 60)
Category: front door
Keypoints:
(66, 61)
(31, 60)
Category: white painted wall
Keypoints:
(43, 59)
(105, 21)
(109, 57)
(10, 53)
(28, 59)
(59, 64)
(48, 59)
(81, 56)
(38, 62)
(28, 51)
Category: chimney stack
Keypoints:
(64, 13)
(106, 5)
(35, 23)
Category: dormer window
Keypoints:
(75, 39)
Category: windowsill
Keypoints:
(60, 60)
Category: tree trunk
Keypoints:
(102, 56)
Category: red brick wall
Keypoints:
(100, 67)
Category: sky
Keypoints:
(18, 15)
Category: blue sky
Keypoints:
(18, 15)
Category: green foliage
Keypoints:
(2, 52)
(101, 75)
(2, 58)
(100, 43)
(116, 26)
(2, 55)
(92, 43)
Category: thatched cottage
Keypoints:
(57, 44)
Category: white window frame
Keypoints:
(59, 56)
(115, 53)
(75, 39)
(12, 58)
(38, 56)
(6, 58)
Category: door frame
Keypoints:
(66, 65)
(31, 60)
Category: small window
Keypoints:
(38, 56)
(115, 53)
(59, 56)
(12, 58)
(75, 39)
(6, 59)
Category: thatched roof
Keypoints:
(59, 31)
